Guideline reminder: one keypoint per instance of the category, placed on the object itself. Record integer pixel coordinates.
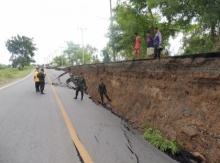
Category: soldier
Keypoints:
(41, 76)
(36, 79)
(102, 91)
(72, 79)
(80, 85)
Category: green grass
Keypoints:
(10, 74)
(159, 141)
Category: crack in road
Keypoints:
(78, 153)
(96, 139)
(129, 146)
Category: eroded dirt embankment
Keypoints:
(179, 97)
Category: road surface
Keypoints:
(55, 128)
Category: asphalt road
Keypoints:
(55, 128)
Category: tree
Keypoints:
(197, 42)
(205, 12)
(199, 20)
(106, 52)
(22, 49)
(74, 54)
(60, 60)
(90, 55)
(95, 59)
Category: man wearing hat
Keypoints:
(36, 79)
(41, 76)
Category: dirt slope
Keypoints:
(179, 97)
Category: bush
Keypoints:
(9, 74)
(159, 141)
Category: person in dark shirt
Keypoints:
(41, 76)
(149, 42)
(102, 91)
(80, 85)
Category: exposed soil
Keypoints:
(178, 96)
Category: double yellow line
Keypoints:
(84, 154)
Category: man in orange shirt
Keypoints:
(137, 46)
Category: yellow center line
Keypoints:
(84, 154)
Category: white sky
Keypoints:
(52, 22)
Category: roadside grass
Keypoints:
(159, 141)
(9, 74)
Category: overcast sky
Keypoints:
(52, 22)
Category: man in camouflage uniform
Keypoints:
(102, 91)
(80, 85)
(41, 75)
